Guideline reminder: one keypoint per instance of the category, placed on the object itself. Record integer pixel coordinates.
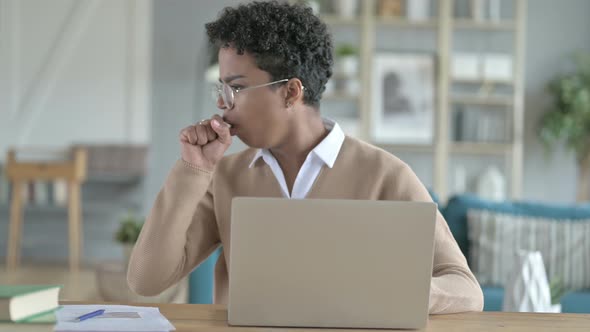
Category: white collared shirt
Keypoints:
(325, 153)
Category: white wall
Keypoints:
(73, 71)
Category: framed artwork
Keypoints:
(403, 98)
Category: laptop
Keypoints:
(330, 263)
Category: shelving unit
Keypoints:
(445, 28)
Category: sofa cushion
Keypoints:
(495, 238)
(455, 213)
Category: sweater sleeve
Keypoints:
(179, 233)
(453, 288)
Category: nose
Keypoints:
(220, 104)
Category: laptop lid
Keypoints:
(330, 263)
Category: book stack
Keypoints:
(28, 303)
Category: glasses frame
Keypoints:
(221, 90)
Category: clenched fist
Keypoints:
(204, 144)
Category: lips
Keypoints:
(232, 128)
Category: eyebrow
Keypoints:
(231, 78)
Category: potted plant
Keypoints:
(347, 59)
(568, 119)
(128, 233)
(558, 290)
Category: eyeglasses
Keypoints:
(228, 93)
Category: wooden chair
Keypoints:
(21, 173)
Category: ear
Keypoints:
(293, 92)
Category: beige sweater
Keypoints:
(191, 218)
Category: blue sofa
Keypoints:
(201, 279)
(456, 215)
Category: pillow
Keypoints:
(494, 239)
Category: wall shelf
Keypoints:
(483, 100)
(340, 97)
(474, 148)
(469, 24)
(407, 147)
(482, 81)
(405, 23)
(337, 20)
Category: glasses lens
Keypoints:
(215, 92)
(228, 96)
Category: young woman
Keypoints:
(274, 59)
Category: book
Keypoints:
(23, 303)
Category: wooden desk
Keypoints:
(198, 317)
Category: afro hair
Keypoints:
(286, 40)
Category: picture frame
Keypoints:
(403, 98)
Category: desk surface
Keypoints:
(196, 317)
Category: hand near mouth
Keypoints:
(203, 144)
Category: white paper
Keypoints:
(150, 319)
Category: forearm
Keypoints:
(159, 257)
(454, 290)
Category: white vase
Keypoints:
(348, 65)
(491, 185)
(527, 289)
(345, 8)
(555, 308)
(418, 10)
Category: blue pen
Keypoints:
(90, 315)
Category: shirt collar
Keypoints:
(327, 150)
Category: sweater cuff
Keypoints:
(184, 169)
(194, 168)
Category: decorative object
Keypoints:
(482, 10)
(403, 97)
(128, 233)
(466, 66)
(568, 119)
(418, 10)
(528, 288)
(391, 8)
(497, 66)
(347, 61)
(477, 10)
(345, 8)
(492, 185)
(459, 179)
(494, 10)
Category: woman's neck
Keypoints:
(304, 135)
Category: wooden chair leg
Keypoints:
(75, 225)
(15, 231)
